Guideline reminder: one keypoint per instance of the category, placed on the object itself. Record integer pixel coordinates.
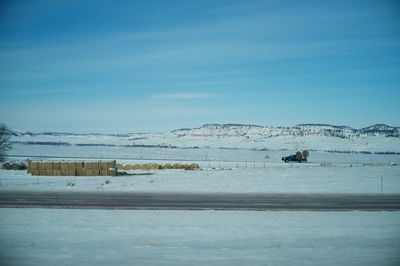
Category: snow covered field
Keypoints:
(224, 170)
(100, 237)
(206, 154)
(273, 178)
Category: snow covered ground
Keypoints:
(100, 237)
(273, 178)
(224, 170)
(200, 154)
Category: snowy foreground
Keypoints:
(99, 237)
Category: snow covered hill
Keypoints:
(378, 138)
(235, 130)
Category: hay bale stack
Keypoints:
(299, 156)
(35, 172)
(6, 166)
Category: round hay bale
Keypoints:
(194, 166)
(154, 166)
(6, 166)
(305, 154)
(145, 167)
(16, 166)
(176, 166)
(126, 167)
(299, 156)
(185, 166)
(135, 167)
(167, 166)
(23, 165)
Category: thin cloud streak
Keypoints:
(184, 96)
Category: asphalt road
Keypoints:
(199, 201)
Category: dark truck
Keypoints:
(298, 157)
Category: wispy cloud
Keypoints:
(183, 96)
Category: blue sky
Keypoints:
(139, 66)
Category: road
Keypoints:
(199, 201)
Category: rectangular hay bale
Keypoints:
(64, 172)
(80, 172)
(63, 166)
(48, 172)
(35, 172)
(71, 165)
(103, 165)
(56, 165)
(78, 165)
(112, 172)
(56, 172)
(94, 172)
(48, 166)
(32, 165)
(40, 166)
(111, 164)
(71, 172)
(91, 165)
(103, 172)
